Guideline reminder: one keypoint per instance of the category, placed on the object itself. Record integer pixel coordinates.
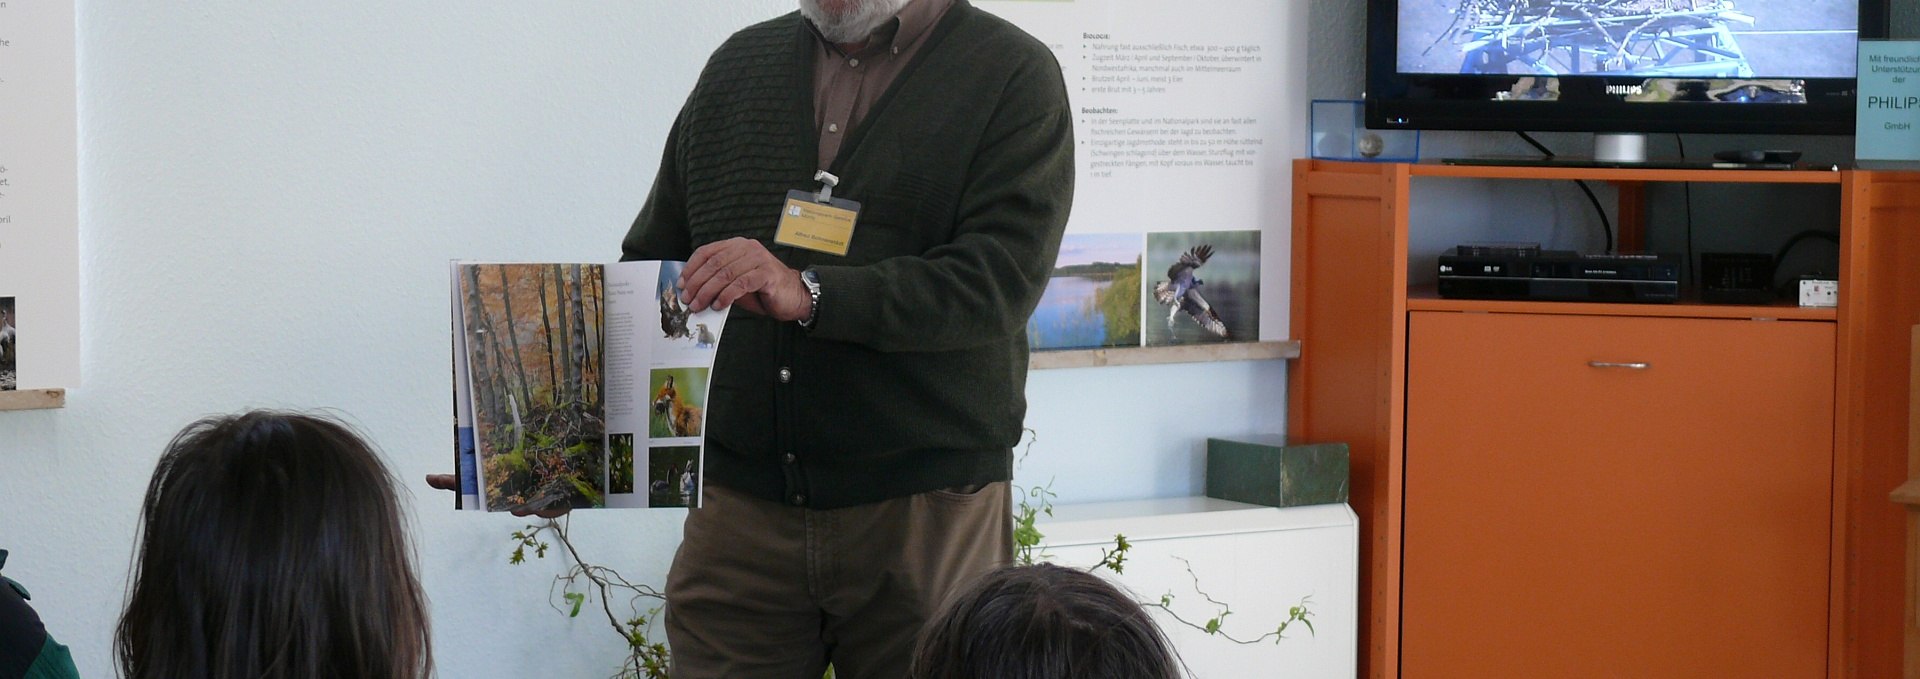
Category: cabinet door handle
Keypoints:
(1623, 366)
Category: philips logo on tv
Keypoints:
(1894, 103)
(1627, 90)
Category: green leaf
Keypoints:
(577, 599)
(1213, 626)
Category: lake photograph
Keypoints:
(1093, 298)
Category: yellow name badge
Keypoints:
(822, 227)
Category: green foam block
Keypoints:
(1267, 471)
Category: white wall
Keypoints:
(270, 192)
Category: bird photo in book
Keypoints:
(7, 332)
(9, 350)
(673, 315)
(1181, 292)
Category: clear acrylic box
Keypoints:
(1338, 132)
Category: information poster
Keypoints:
(1889, 105)
(1188, 116)
(39, 197)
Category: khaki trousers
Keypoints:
(759, 589)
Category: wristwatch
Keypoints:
(812, 280)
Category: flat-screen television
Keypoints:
(1617, 66)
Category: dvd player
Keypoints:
(1529, 273)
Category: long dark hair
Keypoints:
(272, 547)
(1043, 622)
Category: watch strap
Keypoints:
(812, 281)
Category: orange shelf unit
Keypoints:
(1351, 308)
(1621, 174)
(1662, 514)
(1426, 299)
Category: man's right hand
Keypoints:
(450, 482)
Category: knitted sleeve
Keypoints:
(661, 231)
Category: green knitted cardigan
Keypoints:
(913, 376)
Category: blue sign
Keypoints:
(1888, 124)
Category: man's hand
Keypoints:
(740, 270)
(450, 482)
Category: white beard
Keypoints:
(854, 22)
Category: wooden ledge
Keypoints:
(1185, 353)
(1908, 495)
(33, 399)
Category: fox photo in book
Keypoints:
(533, 337)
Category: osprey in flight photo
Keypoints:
(1181, 291)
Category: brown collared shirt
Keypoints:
(845, 86)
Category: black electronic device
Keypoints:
(1736, 278)
(1757, 156)
(1617, 67)
(1558, 275)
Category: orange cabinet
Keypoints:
(1616, 496)
(1526, 513)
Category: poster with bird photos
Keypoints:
(578, 385)
(1155, 289)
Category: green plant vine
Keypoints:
(1029, 546)
(1034, 502)
(1216, 625)
(646, 658)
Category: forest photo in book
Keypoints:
(534, 343)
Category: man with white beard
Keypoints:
(869, 390)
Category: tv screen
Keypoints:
(1754, 66)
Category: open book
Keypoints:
(569, 393)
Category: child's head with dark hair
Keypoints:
(272, 546)
(1043, 622)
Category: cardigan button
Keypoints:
(855, 63)
(799, 500)
(833, 127)
(786, 375)
(789, 458)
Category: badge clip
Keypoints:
(827, 182)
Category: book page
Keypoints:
(629, 302)
(534, 351)
(464, 464)
(656, 423)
